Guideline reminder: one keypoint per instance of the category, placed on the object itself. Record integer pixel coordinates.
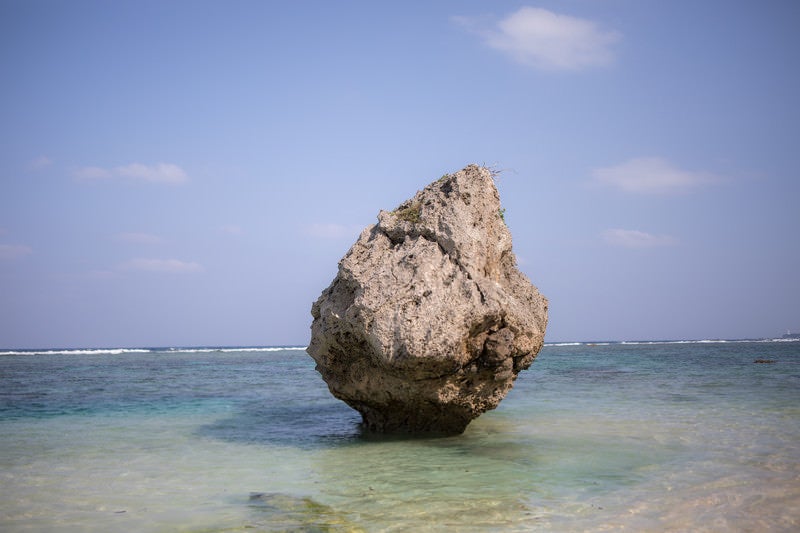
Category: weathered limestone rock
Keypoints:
(428, 322)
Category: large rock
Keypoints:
(428, 322)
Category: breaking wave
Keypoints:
(649, 343)
(120, 351)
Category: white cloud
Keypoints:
(650, 175)
(542, 39)
(138, 238)
(173, 266)
(159, 173)
(333, 231)
(40, 163)
(630, 238)
(14, 251)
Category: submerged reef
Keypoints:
(429, 321)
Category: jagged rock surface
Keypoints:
(428, 322)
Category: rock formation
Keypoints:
(428, 322)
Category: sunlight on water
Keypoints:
(641, 438)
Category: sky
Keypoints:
(184, 173)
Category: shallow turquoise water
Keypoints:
(689, 436)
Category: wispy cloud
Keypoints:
(40, 163)
(230, 229)
(92, 173)
(333, 231)
(542, 39)
(159, 173)
(166, 173)
(630, 238)
(650, 175)
(14, 251)
(138, 238)
(172, 266)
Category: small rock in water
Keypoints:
(428, 321)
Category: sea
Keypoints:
(641, 436)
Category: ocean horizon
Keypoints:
(675, 435)
(115, 350)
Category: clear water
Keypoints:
(641, 437)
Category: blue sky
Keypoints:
(189, 173)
